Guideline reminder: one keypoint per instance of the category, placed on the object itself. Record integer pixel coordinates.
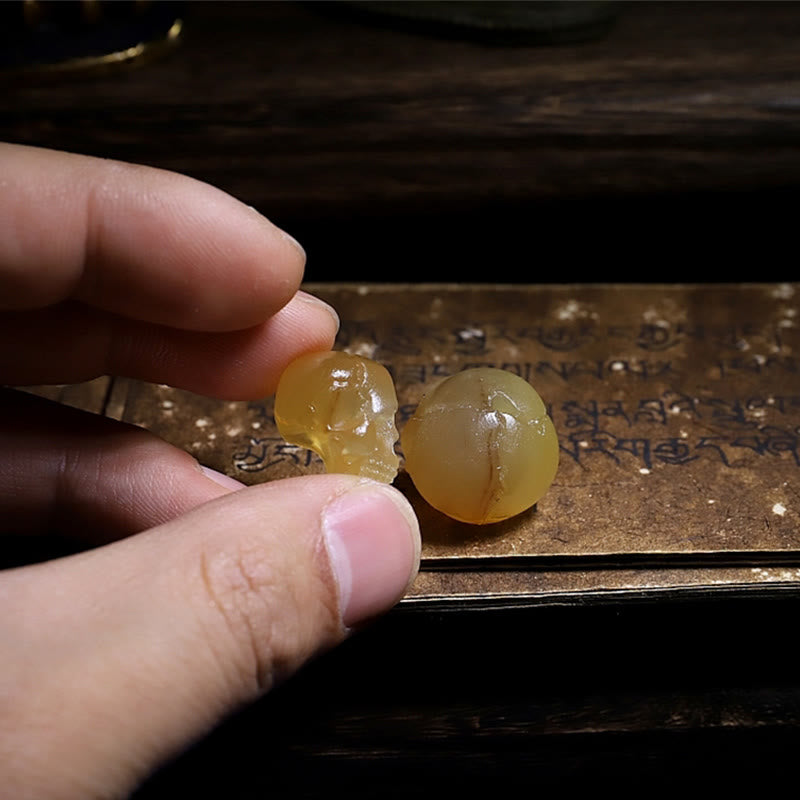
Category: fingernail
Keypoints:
(289, 238)
(312, 300)
(373, 542)
(221, 478)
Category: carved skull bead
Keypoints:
(342, 407)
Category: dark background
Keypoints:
(666, 149)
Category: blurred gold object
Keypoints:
(78, 36)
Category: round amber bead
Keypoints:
(342, 407)
(480, 446)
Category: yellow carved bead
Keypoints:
(480, 446)
(342, 407)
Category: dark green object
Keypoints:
(536, 22)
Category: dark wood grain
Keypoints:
(493, 702)
(287, 107)
(354, 135)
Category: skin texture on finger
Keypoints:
(136, 241)
(68, 472)
(117, 657)
(235, 365)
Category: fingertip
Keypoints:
(144, 243)
(287, 236)
(215, 264)
(231, 365)
(317, 303)
(373, 541)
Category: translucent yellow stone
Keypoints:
(480, 446)
(342, 407)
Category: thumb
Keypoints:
(117, 657)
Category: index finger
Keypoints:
(136, 241)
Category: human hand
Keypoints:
(204, 593)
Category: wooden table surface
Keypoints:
(661, 152)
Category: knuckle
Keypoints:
(273, 609)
